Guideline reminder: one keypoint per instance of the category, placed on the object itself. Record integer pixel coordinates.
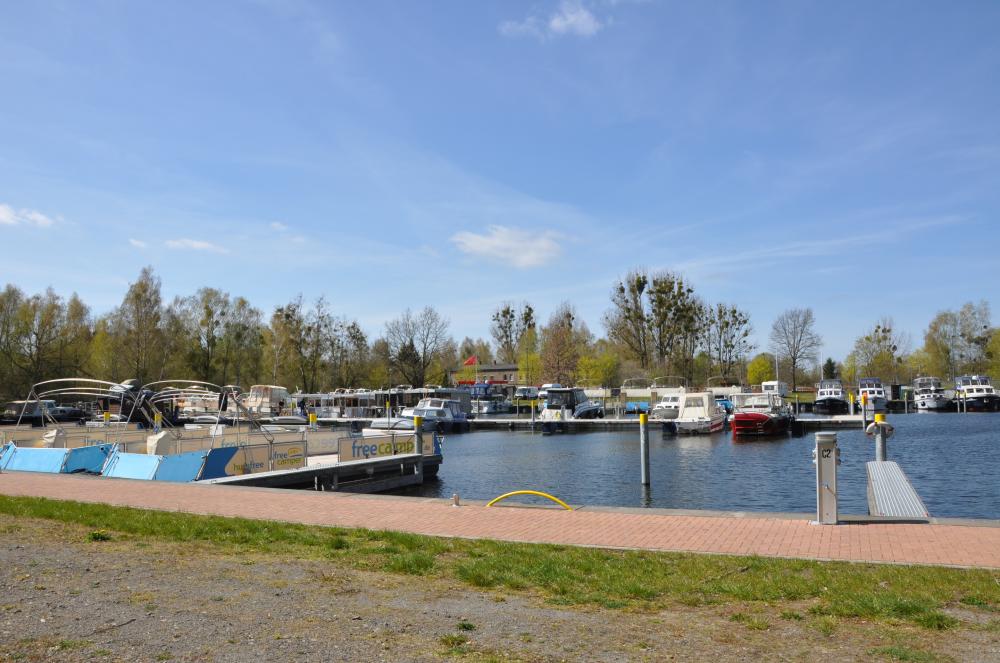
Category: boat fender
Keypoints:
(887, 429)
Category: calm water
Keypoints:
(953, 461)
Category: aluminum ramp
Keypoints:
(890, 494)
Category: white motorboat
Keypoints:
(975, 393)
(667, 407)
(928, 395)
(443, 415)
(830, 398)
(871, 394)
(566, 403)
(700, 414)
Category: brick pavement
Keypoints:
(758, 534)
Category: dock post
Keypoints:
(533, 405)
(418, 434)
(644, 447)
(881, 449)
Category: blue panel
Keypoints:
(90, 460)
(26, 459)
(6, 453)
(132, 466)
(181, 467)
(215, 464)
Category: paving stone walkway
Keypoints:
(758, 534)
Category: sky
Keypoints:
(839, 156)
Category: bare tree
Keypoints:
(793, 337)
(728, 337)
(628, 321)
(415, 341)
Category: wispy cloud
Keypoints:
(815, 248)
(570, 18)
(28, 217)
(277, 225)
(520, 248)
(195, 245)
(137, 243)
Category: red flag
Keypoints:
(471, 361)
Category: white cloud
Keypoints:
(574, 18)
(571, 18)
(513, 246)
(137, 243)
(195, 245)
(277, 225)
(29, 217)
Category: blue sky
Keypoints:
(843, 156)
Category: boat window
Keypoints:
(693, 402)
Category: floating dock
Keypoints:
(803, 425)
(370, 475)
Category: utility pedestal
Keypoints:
(826, 457)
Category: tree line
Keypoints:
(656, 325)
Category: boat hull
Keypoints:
(757, 424)
(831, 406)
(989, 403)
(700, 426)
(933, 403)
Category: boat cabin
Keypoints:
(974, 384)
(774, 387)
(872, 387)
(268, 400)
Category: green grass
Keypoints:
(566, 575)
(752, 622)
(898, 653)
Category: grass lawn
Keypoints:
(824, 591)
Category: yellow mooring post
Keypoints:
(418, 434)
(644, 447)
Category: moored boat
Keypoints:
(871, 394)
(760, 415)
(975, 393)
(928, 395)
(700, 414)
(830, 398)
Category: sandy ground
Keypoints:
(64, 598)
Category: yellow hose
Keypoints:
(531, 492)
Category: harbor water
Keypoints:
(952, 460)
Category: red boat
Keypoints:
(761, 414)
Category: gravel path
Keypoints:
(65, 598)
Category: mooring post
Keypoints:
(534, 404)
(881, 451)
(418, 434)
(644, 447)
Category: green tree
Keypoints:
(508, 329)
(761, 368)
(829, 369)
(136, 328)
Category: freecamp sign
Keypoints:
(361, 448)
